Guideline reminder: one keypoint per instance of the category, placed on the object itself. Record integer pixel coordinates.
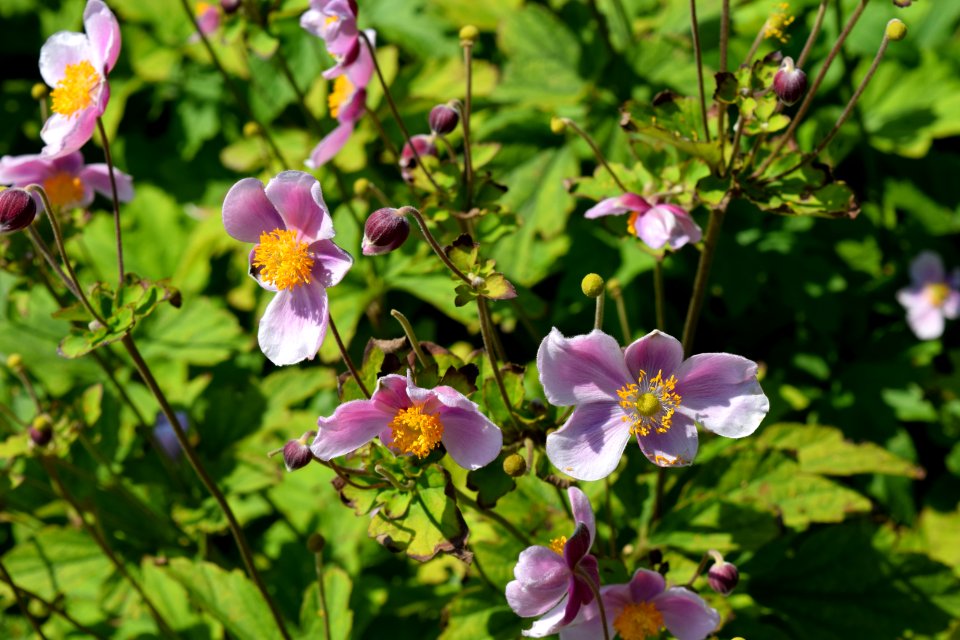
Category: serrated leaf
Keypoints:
(491, 483)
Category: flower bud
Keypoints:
(423, 145)
(722, 576)
(17, 210)
(469, 34)
(296, 453)
(316, 543)
(39, 91)
(229, 6)
(41, 431)
(789, 83)
(557, 125)
(592, 285)
(15, 361)
(514, 465)
(360, 187)
(896, 30)
(250, 129)
(385, 230)
(443, 119)
(903, 3)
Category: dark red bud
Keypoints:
(296, 453)
(385, 230)
(789, 83)
(17, 210)
(229, 6)
(723, 577)
(902, 3)
(443, 119)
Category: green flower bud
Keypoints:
(896, 30)
(39, 91)
(360, 187)
(557, 125)
(514, 465)
(592, 285)
(15, 361)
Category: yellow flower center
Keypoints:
(416, 432)
(556, 545)
(632, 223)
(284, 260)
(63, 189)
(74, 91)
(776, 25)
(342, 90)
(638, 621)
(649, 404)
(330, 20)
(937, 293)
(202, 8)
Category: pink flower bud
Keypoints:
(790, 83)
(443, 119)
(385, 230)
(17, 210)
(296, 453)
(723, 577)
(424, 146)
(41, 437)
(229, 6)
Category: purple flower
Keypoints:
(76, 66)
(165, 437)
(642, 608)
(208, 18)
(646, 390)
(294, 256)
(424, 146)
(931, 297)
(68, 182)
(550, 580)
(411, 420)
(335, 21)
(656, 224)
(18, 210)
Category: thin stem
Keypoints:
(20, 603)
(756, 45)
(52, 606)
(703, 275)
(598, 315)
(205, 478)
(695, 30)
(494, 516)
(658, 292)
(383, 133)
(658, 496)
(411, 336)
(595, 590)
(436, 246)
(396, 112)
(116, 202)
(287, 72)
(814, 32)
(486, 334)
(596, 151)
(724, 41)
(465, 124)
(613, 529)
(21, 373)
(318, 564)
(735, 146)
(346, 357)
(617, 294)
(699, 569)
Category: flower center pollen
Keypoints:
(63, 189)
(556, 545)
(776, 25)
(74, 91)
(284, 261)
(342, 90)
(649, 404)
(638, 621)
(937, 293)
(416, 432)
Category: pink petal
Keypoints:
(61, 49)
(247, 212)
(951, 306)
(541, 581)
(361, 70)
(645, 585)
(686, 615)
(675, 448)
(577, 546)
(588, 368)
(691, 230)
(582, 511)
(297, 197)
(654, 352)
(549, 623)
(617, 206)
(64, 135)
(656, 228)
(927, 322)
(590, 444)
(209, 20)
(391, 392)
(327, 148)
(97, 177)
(469, 437)
(913, 297)
(352, 425)
(720, 391)
(20, 171)
(927, 267)
(331, 263)
(104, 33)
(294, 325)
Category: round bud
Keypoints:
(296, 453)
(896, 30)
(902, 3)
(592, 285)
(557, 125)
(469, 34)
(443, 119)
(41, 430)
(514, 465)
(316, 543)
(229, 6)
(385, 230)
(723, 577)
(17, 210)
(360, 187)
(15, 361)
(39, 91)
(789, 83)
(250, 129)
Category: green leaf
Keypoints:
(476, 613)
(491, 483)
(674, 120)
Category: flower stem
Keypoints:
(205, 478)
(411, 336)
(467, 45)
(695, 30)
(383, 133)
(699, 570)
(318, 564)
(116, 202)
(609, 509)
(724, 41)
(20, 603)
(658, 496)
(596, 151)
(598, 315)
(703, 275)
(490, 514)
(52, 606)
(658, 292)
(435, 245)
(595, 590)
(346, 357)
(21, 373)
(486, 332)
(616, 292)
(814, 32)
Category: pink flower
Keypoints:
(424, 145)
(411, 420)
(551, 581)
(335, 21)
(656, 224)
(642, 608)
(76, 66)
(293, 255)
(931, 297)
(646, 390)
(68, 182)
(208, 19)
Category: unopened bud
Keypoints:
(789, 83)
(296, 453)
(229, 6)
(316, 543)
(557, 125)
(514, 465)
(17, 210)
(443, 119)
(250, 129)
(41, 430)
(360, 187)
(420, 146)
(469, 34)
(39, 91)
(592, 285)
(14, 361)
(902, 3)
(385, 230)
(896, 30)
(723, 576)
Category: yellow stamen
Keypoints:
(416, 432)
(283, 259)
(649, 404)
(638, 621)
(74, 91)
(632, 223)
(937, 293)
(776, 25)
(342, 90)
(63, 189)
(202, 8)
(556, 545)
(330, 20)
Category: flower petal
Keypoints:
(675, 448)
(686, 615)
(582, 511)
(352, 425)
(652, 353)
(590, 444)
(469, 437)
(927, 267)
(541, 581)
(330, 145)
(20, 171)
(927, 321)
(549, 623)
(646, 584)
(331, 263)
(951, 306)
(247, 212)
(297, 197)
(582, 369)
(721, 392)
(104, 33)
(617, 206)
(97, 177)
(294, 325)
(61, 49)
(64, 135)
(577, 545)
(657, 227)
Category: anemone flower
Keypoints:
(411, 420)
(68, 182)
(932, 297)
(335, 21)
(648, 391)
(656, 224)
(551, 580)
(642, 608)
(293, 255)
(208, 19)
(76, 66)
(424, 146)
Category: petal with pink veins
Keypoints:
(686, 615)
(297, 197)
(64, 134)
(589, 445)
(247, 212)
(331, 263)
(582, 369)
(104, 33)
(582, 511)
(654, 352)
(60, 50)
(721, 392)
(294, 324)
(97, 177)
(351, 426)
(675, 448)
(327, 148)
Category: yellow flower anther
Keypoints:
(556, 545)
(74, 91)
(416, 432)
(283, 259)
(649, 404)
(639, 621)
(63, 189)
(778, 22)
(342, 90)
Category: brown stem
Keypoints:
(699, 569)
(20, 603)
(595, 590)
(598, 314)
(596, 151)
(486, 330)
(703, 275)
(617, 294)
(318, 565)
(658, 292)
(116, 203)
(490, 514)
(658, 496)
(465, 124)
(411, 336)
(437, 249)
(695, 30)
(814, 32)
(52, 606)
(346, 357)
